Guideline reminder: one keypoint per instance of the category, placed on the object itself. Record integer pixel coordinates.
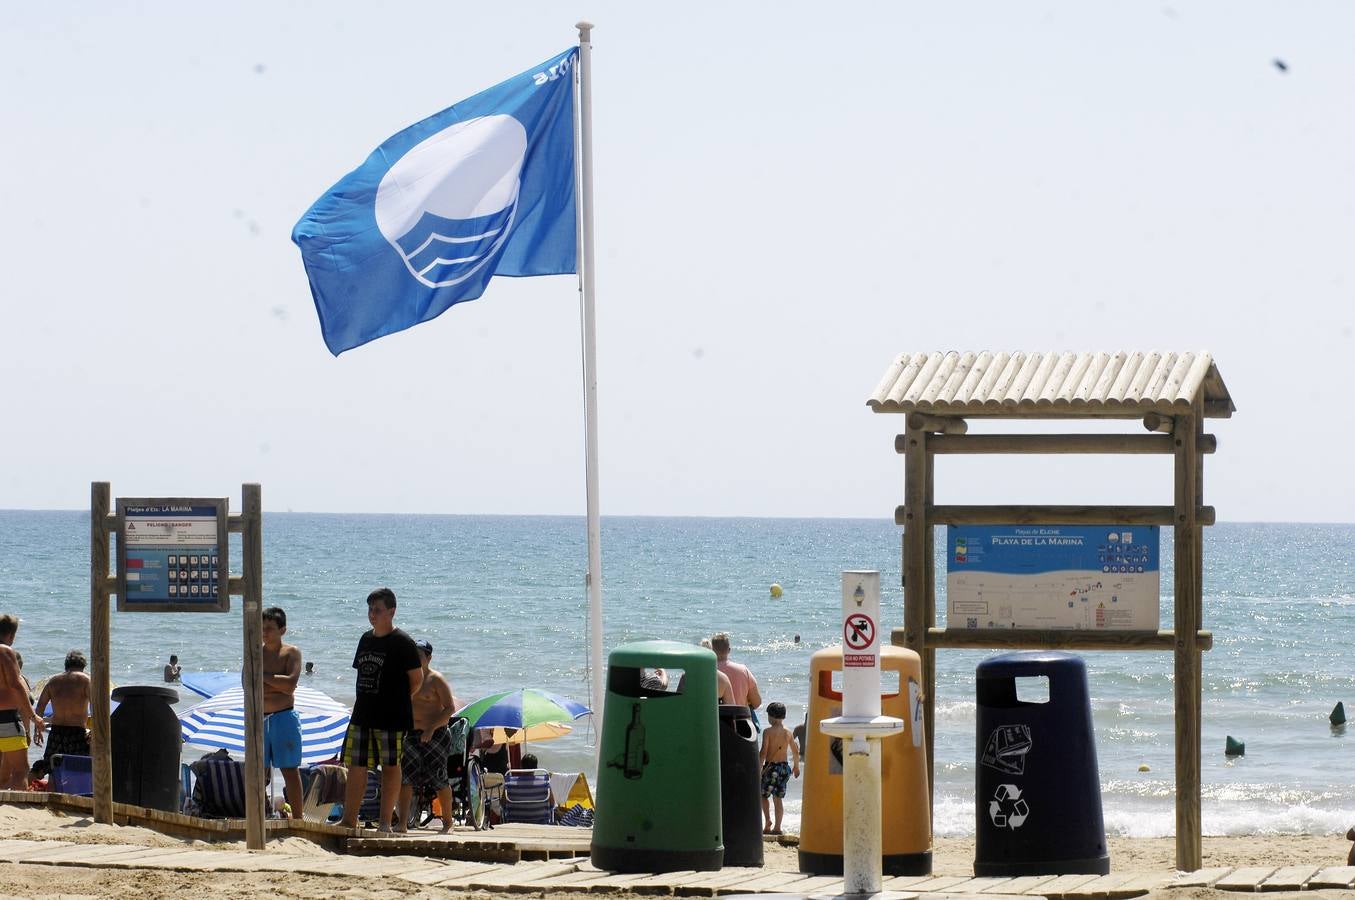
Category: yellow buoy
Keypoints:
(1143, 768)
(776, 590)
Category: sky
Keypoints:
(788, 195)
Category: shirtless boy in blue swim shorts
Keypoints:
(281, 724)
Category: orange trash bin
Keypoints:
(906, 803)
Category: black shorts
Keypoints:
(64, 739)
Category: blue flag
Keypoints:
(483, 188)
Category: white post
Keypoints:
(590, 378)
(861, 728)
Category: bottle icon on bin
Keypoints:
(634, 758)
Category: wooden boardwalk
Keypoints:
(577, 875)
(545, 858)
(503, 844)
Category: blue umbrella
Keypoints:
(220, 722)
(209, 684)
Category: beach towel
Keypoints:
(327, 784)
(571, 788)
(576, 816)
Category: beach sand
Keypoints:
(952, 856)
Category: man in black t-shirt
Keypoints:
(389, 673)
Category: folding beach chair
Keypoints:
(527, 797)
(322, 792)
(218, 789)
(370, 809)
(185, 788)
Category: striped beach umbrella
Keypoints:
(219, 721)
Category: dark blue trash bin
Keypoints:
(1038, 792)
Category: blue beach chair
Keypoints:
(370, 809)
(527, 797)
(218, 790)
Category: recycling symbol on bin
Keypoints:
(1007, 809)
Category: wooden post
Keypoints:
(1058, 639)
(1028, 514)
(938, 424)
(1187, 615)
(1158, 422)
(1046, 444)
(929, 604)
(914, 568)
(100, 734)
(252, 678)
(1200, 451)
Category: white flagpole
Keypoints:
(590, 378)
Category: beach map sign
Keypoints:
(173, 555)
(1080, 577)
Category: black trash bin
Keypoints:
(740, 787)
(1037, 789)
(146, 740)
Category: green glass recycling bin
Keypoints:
(658, 797)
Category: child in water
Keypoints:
(777, 746)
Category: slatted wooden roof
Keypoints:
(1123, 384)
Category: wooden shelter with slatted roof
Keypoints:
(1170, 393)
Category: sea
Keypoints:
(504, 603)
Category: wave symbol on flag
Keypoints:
(448, 205)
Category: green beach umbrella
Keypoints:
(526, 709)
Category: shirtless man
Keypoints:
(69, 696)
(281, 725)
(16, 713)
(724, 688)
(428, 746)
(740, 676)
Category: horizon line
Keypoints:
(468, 515)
